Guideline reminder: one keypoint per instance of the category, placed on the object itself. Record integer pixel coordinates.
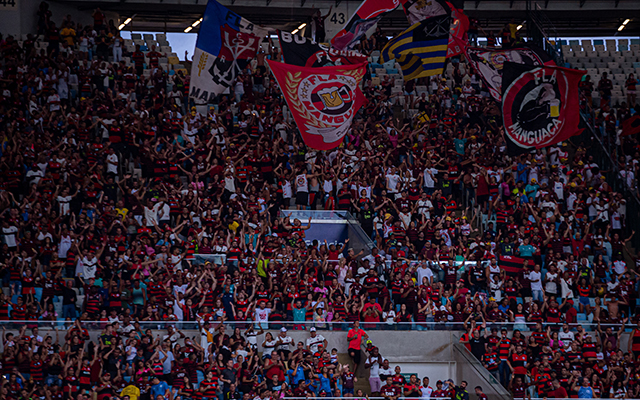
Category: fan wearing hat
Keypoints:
(314, 341)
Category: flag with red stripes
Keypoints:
(511, 265)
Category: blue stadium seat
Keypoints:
(598, 41)
(389, 64)
(581, 317)
(623, 48)
(635, 41)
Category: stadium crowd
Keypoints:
(114, 188)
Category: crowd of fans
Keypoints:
(112, 186)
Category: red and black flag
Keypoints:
(304, 52)
(631, 126)
(511, 265)
(540, 105)
(489, 63)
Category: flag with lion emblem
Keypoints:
(323, 101)
(226, 45)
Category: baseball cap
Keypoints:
(313, 329)
(283, 329)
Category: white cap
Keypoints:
(313, 329)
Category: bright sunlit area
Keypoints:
(179, 41)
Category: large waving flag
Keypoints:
(489, 63)
(419, 10)
(365, 17)
(420, 50)
(457, 32)
(304, 52)
(226, 44)
(323, 100)
(540, 105)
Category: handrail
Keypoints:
(301, 325)
(475, 364)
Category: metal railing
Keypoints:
(297, 325)
(605, 152)
(488, 381)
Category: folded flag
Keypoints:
(226, 45)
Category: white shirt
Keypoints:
(151, 214)
(535, 276)
(89, 267)
(165, 213)
(619, 266)
(424, 207)
(112, 163)
(551, 287)
(285, 342)
(429, 182)
(302, 185)
(63, 201)
(566, 337)
(423, 272)
(313, 342)
(262, 315)
(10, 236)
(392, 183)
(426, 392)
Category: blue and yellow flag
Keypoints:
(421, 49)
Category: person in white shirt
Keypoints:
(373, 363)
(261, 315)
(566, 336)
(112, 163)
(426, 389)
(393, 182)
(89, 263)
(535, 277)
(423, 271)
(315, 340)
(284, 343)
(9, 234)
(151, 212)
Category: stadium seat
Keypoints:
(136, 36)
